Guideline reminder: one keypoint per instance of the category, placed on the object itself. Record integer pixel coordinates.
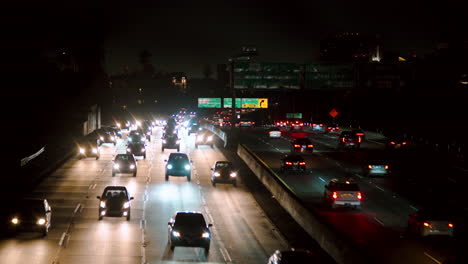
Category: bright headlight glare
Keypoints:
(178, 142)
(169, 166)
(132, 166)
(206, 235)
(94, 150)
(233, 174)
(116, 166)
(15, 220)
(187, 167)
(164, 141)
(102, 204)
(142, 139)
(143, 150)
(200, 138)
(129, 139)
(217, 174)
(210, 138)
(102, 138)
(175, 233)
(82, 151)
(41, 221)
(112, 138)
(126, 205)
(128, 150)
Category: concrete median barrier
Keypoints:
(341, 250)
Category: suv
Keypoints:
(178, 164)
(349, 139)
(114, 201)
(293, 163)
(170, 141)
(342, 193)
(302, 145)
(124, 163)
(137, 149)
(223, 172)
(189, 229)
(204, 138)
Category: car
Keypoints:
(137, 149)
(194, 129)
(396, 142)
(204, 138)
(189, 229)
(178, 164)
(88, 148)
(170, 141)
(281, 123)
(317, 126)
(170, 131)
(333, 128)
(359, 133)
(136, 136)
(274, 132)
(432, 221)
(296, 124)
(223, 172)
(302, 145)
(376, 167)
(342, 193)
(31, 214)
(299, 256)
(114, 202)
(246, 123)
(347, 139)
(294, 163)
(146, 131)
(124, 163)
(106, 136)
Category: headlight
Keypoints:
(41, 221)
(118, 125)
(129, 139)
(142, 139)
(187, 167)
(94, 150)
(116, 166)
(15, 220)
(112, 138)
(132, 166)
(206, 235)
(233, 174)
(217, 174)
(175, 233)
(169, 166)
(102, 138)
(102, 204)
(82, 151)
(210, 138)
(200, 138)
(129, 150)
(143, 150)
(178, 142)
(164, 141)
(126, 205)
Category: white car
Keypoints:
(274, 132)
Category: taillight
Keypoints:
(343, 139)
(288, 163)
(310, 146)
(370, 166)
(450, 225)
(302, 163)
(302, 124)
(337, 128)
(386, 167)
(321, 124)
(426, 224)
(359, 139)
(393, 143)
(404, 143)
(359, 196)
(335, 195)
(328, 127)
(297, 146)
(347, 182)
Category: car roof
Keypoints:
(294, 156)
(173, 154)
(115, 187)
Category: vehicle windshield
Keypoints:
(123, 158)
(114, 194)
(223, 165)
(189, 220)
(345, 187)
(178, 157)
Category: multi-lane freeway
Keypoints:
(241, 231)
(378, 229)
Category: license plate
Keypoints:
(347, 195)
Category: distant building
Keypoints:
(349, 47)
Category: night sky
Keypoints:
(186, 35)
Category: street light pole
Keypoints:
(233, 91)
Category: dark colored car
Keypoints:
(189, 229)
(124, 163)
(106, 136)
(88, 148)
(348, 139)
(170, 141)
(302, 145)
(333, 128)
(376, 167)
(115, 202)
(396, 143)
(432, 221)
(195, 128)
(137, 149)
(295, 256)
(204, 138)
(293, 163)
(136, 136)
(31, 214)
(178, 164)
(223, 172)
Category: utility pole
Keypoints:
(233, 91)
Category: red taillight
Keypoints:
(426, 224)
(347, 182)
(302, 163)
(297, 146)
(386, 167)
(343, 139)
(360, 134)
(370, 166)
(321, 124)
(249, 122)
(404, 143)
(359, 196)
(359, 139)
(310, 146)
(313, 124)
(288, 163)
(393, 143)
(450, 225)
(301, 124)
(335, 195)
(337, 128)
(328, 127)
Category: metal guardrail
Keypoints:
(25, 161)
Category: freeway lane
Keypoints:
(378, 227)
(241, 232)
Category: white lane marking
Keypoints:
(62, 238)
(77, 208)
(320, 178)
(94, 186)
(414, 208)
(452, 180)
(432, 258)
(142, 224)
(225, 254)
(379, 221)
(376, 186)
(358, 175)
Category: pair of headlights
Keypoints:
(169, 167)
(117, 166)
(126, 205)
(82, 150)
(40, 221)
(204, 234)
(232, 174)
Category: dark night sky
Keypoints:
(186, 35)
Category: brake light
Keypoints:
(328, 127)
(297, 146)
(337, 128)
(249, 122)
(302, 124)
(359, 196)
(393, 143)
(386, 167)
(321, 124)
(335, 195)
(426, 224)
(404, 143)
(347, 182)
(310, 146)
(288, 163)
(313, 124)
(370, 166)
(450, 225)
(359, 139)
(302, 163)
(343, 139)
(360, 134)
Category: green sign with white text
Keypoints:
(209, 102)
